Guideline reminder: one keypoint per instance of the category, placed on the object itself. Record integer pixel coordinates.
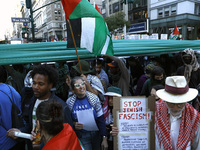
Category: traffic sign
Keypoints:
(24, 29)
(20, 19)
(25, 24)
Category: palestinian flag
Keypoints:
(175, 34)
(89, 27)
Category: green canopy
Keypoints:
(55, 51)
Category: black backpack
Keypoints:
(16, 115)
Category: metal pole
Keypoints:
(148, 16)
(32, 22)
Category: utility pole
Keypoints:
(32, 22)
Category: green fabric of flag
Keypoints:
(98, 40)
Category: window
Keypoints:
(55, 5)
(56, 12)
(173, 10)
(160, 13)
(121, 6)
(136, 16)
(103, 4)
(167, 12)
(130, 6)
(110, 11)
(59, 12)
(56, 18)
(115, 7)
(197, 9)
(59, 6)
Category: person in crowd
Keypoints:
(157, 77)
(44, 79)
(87, 115)
(196, 103)
(7, 93)
(147, 73)
(156, 88)
(61, 86)
(190, 69)
(112, 91)
(54, 133)
(136, 71)
(100, 73)
(119, 74)
(177, 123)
(93, 83)
(26, 95)
(16, 76)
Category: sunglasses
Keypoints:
(79, 85)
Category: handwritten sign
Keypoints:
(134, 142)
(133, 105)
(133, 122)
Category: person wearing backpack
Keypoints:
(8, 96)
(44, 78)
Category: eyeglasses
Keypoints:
(179, 105)
(79, 85)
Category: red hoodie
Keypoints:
(65, 140)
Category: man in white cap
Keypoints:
(177, 123)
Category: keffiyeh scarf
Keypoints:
(193, 66)
(189, 123)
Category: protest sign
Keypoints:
(133, 117)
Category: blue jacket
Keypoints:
(5, 114)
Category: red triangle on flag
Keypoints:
(97, 8)
(176, 31)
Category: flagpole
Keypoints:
(75, 45)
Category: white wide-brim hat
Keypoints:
(176, 90)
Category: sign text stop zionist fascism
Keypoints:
(133, 124)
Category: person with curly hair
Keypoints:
(44, 78)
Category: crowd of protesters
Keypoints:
(86, 94)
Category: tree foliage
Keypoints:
(116, 22)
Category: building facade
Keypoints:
(163, 15)
(185, 14)
(49, 20)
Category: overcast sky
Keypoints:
(7, 10)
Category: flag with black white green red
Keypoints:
(94, 33)
(175, 34)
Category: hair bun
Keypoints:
(55, 110)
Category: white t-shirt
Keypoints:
(34, 111)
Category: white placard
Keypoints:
(133, 142)
(144, 36)
(134, 122)
(136, 104)
(86, 117)
(164, 36)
